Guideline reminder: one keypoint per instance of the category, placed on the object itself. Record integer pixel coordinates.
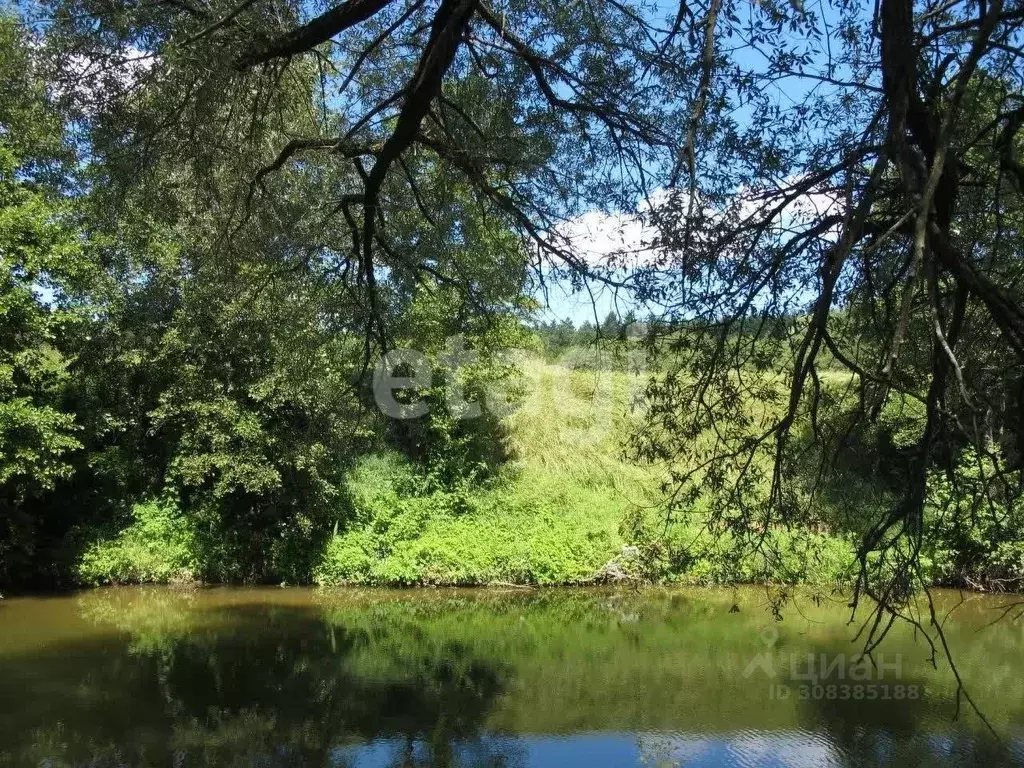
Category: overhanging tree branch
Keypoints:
(314, 32)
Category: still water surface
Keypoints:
(267, 677)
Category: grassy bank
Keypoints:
(568, 507)
(552, 515)
(555, 513)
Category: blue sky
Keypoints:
(596, 235)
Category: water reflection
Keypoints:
(566, 678)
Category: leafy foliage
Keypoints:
(975, 535)
(40, 260)
(159, 545)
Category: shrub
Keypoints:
(159, 545)
(524, 529)
(974, 527)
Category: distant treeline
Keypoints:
(558, 336)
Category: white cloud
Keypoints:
(804, 211)
(628, 240)
(617, 239)
(600, 238)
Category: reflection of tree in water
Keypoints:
(273, 684)
(296, 677)
(897, 732)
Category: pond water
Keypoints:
(161, 676)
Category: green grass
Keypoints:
(555, 513)
(552, 516)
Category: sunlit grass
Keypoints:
(562, 510)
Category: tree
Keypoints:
(878, 201)
(611, 327)
(410, 106)
(43, 270)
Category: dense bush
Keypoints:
(975, 527)
(695, 555)
(507, 530)
(160, 544)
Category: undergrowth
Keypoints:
(567, 507)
